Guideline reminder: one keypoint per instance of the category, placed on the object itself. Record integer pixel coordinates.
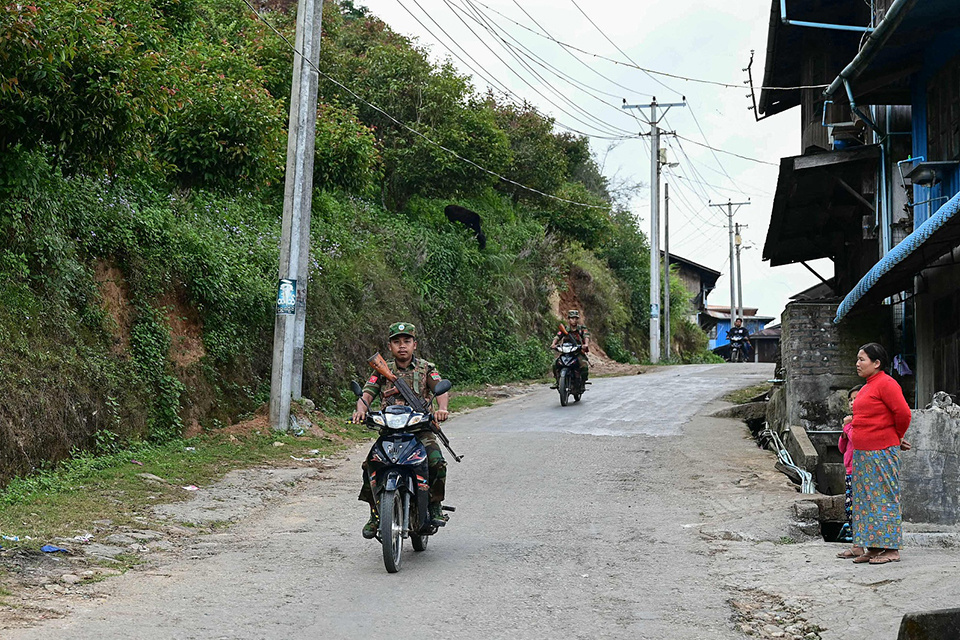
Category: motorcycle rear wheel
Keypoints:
(419, 542)
(563, 386)
(391, 530)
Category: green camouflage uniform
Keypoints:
(581, 333)
(422, 376)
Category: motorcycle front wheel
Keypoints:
(563, 386)
(391, 529)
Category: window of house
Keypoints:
(943, 113)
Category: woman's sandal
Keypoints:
(866, 557)
(884, 557)
(850, 553)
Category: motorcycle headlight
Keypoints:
(397, 420)
(567, 348)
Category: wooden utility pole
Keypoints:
(288, 334)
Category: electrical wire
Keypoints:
(609, 135)
(408, 127)
(689, 106)
(495, 84)
(543, 63)
(729, 153)
(485, 76)
(492, 29)
(567, 50)
(756, 191)
(565, 45)
(648, 72)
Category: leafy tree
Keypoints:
(537, 154)
(78, 77)
(346, 155)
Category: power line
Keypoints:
(756, 191)
(485, 73)
(521, 78)
(491, 27)
(692, 113)
(633, 65)
(729, 153)
(408, 127)
(622, 52)
(493, 83)
(707, 142)
(543, 63)
(566, 49)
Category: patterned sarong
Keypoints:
(876, 498)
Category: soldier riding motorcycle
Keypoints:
(571, 368)
(404, 473)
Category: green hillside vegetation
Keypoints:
(142, 147)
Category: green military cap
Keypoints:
(573, 313)
(402, 329)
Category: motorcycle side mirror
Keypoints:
(442, 387)
(356, 388)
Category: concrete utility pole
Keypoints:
(288, 333)
(739, 241)
(733, 267)
(654, 122)
(666, 270)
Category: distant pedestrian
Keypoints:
(881, 417)
(846, 448)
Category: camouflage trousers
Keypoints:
(438, 471)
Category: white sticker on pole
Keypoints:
(287, 297)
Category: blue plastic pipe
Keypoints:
(906, 246)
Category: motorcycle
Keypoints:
(570, 378)
(398, 470)
(736, 349)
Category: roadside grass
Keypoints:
(111, 489)
(747, 394)
(463, 401)
(73, 497)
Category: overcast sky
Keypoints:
(700, 39)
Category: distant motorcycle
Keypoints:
(570, 377)
(398, 469)
(737, 349)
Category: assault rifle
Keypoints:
(417, 404)
(563, 330)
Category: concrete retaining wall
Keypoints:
(930, 471)
(818, 362)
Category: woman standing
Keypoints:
(880, 420)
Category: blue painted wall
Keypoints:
(940, 52)
(724, 325)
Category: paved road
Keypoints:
(579, 522)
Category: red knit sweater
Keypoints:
(880, 414)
